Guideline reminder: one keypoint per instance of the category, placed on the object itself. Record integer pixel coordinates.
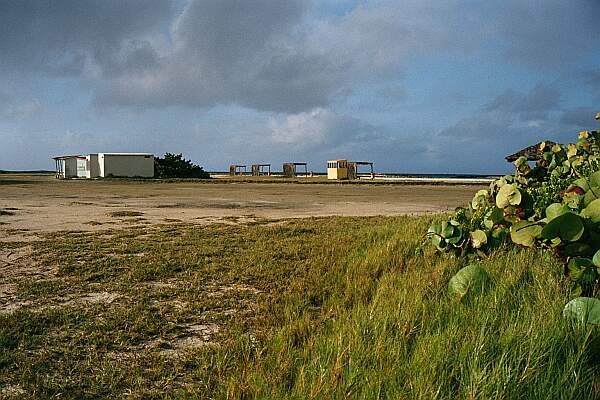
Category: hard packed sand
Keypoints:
(40, 203)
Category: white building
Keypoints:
(105, 164)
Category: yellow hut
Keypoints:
(337, 169)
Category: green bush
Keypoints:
(175, 166)
(552, 205)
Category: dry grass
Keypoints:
(315, 308)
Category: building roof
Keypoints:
(533, 153)
(68, 156)
(126, 154)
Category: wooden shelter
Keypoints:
(532, 153)
(290, 171)
(70, 166)
(259, 169)
(235, 169)
(353, 169)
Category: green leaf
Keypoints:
(592, 211)
(577, 250)
(435, 229)
(471, 279)
(493, 217)
(525, 233)
(582, 270)
(594, 179)
(596, 259)
(556, 210)
(591, 195)
(478, 238)
(568, 227)
(582, 183)
(583, 310)
(480, 199)
(447, 230)
(508, 195)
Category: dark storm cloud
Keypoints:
(268, 54)
(580, 117)
(591, 81)
(533, 105)
(60, 37)
(295, 72)
(547, 34)
(233, 51)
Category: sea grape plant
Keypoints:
(553, 204)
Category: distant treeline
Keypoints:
(37, 171)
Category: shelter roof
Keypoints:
(127, 154)
(533, 152)
(64, 157)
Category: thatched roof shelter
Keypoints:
(533, 153)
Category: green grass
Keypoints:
(317, 308)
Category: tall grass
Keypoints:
(348, 309)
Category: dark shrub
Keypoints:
(175, 166)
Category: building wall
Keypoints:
(126, 165)
(70, 168)
(93, 166)
(81, 168)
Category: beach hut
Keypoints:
(337, 169)
(532, 153)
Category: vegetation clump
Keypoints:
(175, 166)
(554, 205)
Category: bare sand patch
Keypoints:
(82, 205)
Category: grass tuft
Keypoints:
(125, 213)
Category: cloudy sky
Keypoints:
(417, 86)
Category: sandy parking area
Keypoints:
(43, 204)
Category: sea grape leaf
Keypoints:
(478, 238)
(525, 233)
(480, 199)
(555, 210)
(493, 217)
(592, 194)
(582, 270)
(571, 150)
(596, 259)
(471, 279)
(582, 183)
(577, 250)
(592, 211)
(447, 229)
(583, 310)
(568, 227)
(594, 179)
(508, 195)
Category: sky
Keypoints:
(416, 86)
